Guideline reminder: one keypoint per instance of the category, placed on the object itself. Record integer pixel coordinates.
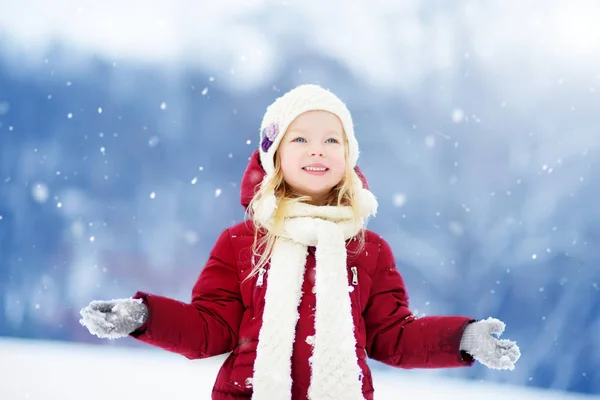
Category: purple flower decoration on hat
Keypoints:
(269, 134)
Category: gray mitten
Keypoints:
(113, 319)
(477, 340)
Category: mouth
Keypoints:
(316, 169)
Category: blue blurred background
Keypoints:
(125, 127)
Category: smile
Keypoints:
(315, 169)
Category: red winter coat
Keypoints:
(225, 315)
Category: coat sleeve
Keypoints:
(209, 324)
(396, 337)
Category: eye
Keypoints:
(299, 140)
(332, 140)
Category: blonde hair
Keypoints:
(341, 194)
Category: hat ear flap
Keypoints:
(361, 177)
(365, 201)
(265, 208)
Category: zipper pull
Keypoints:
(354, 275)
(261, 277)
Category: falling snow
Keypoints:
(153, 141)
(40, 192)
(458, 115)
(399, 199)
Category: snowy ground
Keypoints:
(50, 371)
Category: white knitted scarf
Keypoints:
(335, 373)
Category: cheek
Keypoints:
(285, 168)
(286, 164)
(338, 159)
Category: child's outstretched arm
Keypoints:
(206, 327)
(209, 325)
(396, 337)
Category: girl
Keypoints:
(302, 292)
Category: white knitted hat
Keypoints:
(283, 112)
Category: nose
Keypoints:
(316, 151)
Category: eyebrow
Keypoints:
(330, 131)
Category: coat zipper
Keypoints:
(261, 277)
(354, 270)
(354, 275)
(406, 320)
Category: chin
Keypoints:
(317, 193)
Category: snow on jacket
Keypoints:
(224, 315)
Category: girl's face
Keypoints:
(312, 154)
